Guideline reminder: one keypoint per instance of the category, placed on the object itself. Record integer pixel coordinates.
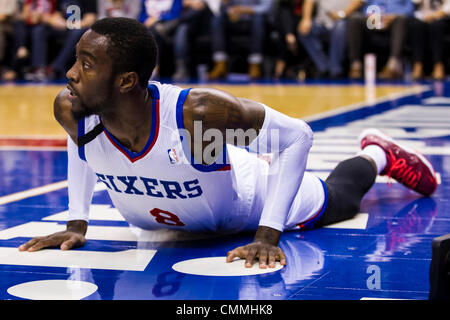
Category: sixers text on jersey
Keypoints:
(152, 187)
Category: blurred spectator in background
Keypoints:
(329, 23)
(38, 26)
(60, 25)
(8, 11)
(437, 15)
(161, 17)
(288, 15)
(243, 17)
(439, 20)
(195, 16)
(381, 16)
(34, 13)
(118, 8)
(422, 29)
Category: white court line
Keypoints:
(436, 100)
(96, 212)
(41, 190)
(104, 233)
(33, 192)
(126, 260)
(359, 221)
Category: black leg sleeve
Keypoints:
(346, 185)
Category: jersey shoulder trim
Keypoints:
(91, 135)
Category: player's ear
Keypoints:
(128, 81)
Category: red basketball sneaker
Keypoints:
(408, 167)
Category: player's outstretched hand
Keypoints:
(267, 254)
(65, 240)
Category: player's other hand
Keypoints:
(72, 237)
(65, 240)
(267, 254)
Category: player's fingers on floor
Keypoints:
(273, 255)
(251, 255)
(69, 244)
(236, 253)
(282, 258)
(263, 255)
(43, 243)
(29, 244)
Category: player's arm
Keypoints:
(81, 182)
(288, 139)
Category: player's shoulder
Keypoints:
(62, 113)
(201, 97)
(204, 101)
(61, 104)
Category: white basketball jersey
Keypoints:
(161, 186)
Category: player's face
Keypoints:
(91, 83)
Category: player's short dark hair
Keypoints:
(132, 47)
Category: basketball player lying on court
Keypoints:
(141, 140)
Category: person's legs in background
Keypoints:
(40, 35)
(5, 30)
(20, 39)
(338, 45)
(437, 32)
(312, 43)
(181, 52)
(258, 35)
(286, 22)
(416, 37)
(191, 24)
(393, 67)
(218, 42)
(356, 30)
(20, 50)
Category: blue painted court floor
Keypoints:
(383, 253)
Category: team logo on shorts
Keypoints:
(173, 157)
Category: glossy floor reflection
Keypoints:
(384, 254)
